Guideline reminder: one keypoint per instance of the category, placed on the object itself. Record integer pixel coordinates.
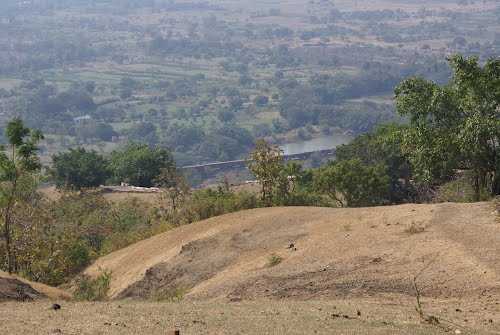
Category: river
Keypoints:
(318, 143)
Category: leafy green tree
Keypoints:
(19, 162)
(104, 131)
(456, 126)
(288, 184)
(383, 147)
(354, 184)
(266, 164)
(138, 164)
(79, 169)
(144, 132)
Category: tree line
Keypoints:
(452, 130)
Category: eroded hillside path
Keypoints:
(336, 253)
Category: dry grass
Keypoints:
(393, 316)
(48, 291)
(227, 257)
(151, 198)
(415, 228)
(327, 275)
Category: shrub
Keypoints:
(353, 183)
(89, 289)
(459, 190)
(274, 260)
(415, 228)
(175, 294)
(65, 235)
(207, 203)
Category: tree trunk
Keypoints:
(495, 184)
(477, 187)
(7, 227)
(8, 240)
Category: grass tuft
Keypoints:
(274, 260)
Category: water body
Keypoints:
(318, 143)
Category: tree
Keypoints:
(290, 176)
(261, 101)
(174, 183)
(95, 130)
(138, 164)
(144, 132)
(266, 163)
(383, 147)
(78, 169)
(352, 183)
(455, 126)
(18, 162)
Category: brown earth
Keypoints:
(332, 317)
(349, 271)
(19, 289)
(150, 198)
(336, 253)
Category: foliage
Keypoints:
(18, 164)
(266, 163)
(78, 169)
(383, 147)
(352, 183)
(57, 239)
(274, 260)
(89, 289)
(175, 294)
(455, 126)
(174, 184)
(459, 189)
(207, 203)
(139, 164)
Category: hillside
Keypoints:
(336, 253)
(349, 271)
(18, 289)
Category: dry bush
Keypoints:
(415, 228)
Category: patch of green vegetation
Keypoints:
(274, 260)
(172, 295)
(93, 289)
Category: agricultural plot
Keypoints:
(224, 73)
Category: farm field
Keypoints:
(207, 79)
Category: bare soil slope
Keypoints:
(325, 254)
(18, 289)
(342, 271)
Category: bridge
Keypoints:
(242, 163)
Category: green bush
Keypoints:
(67, 234)
(459, 190)
(175, 294)
(208, 203)
(353, 183)
(274, 260)
(89, 289)
(78, 255)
